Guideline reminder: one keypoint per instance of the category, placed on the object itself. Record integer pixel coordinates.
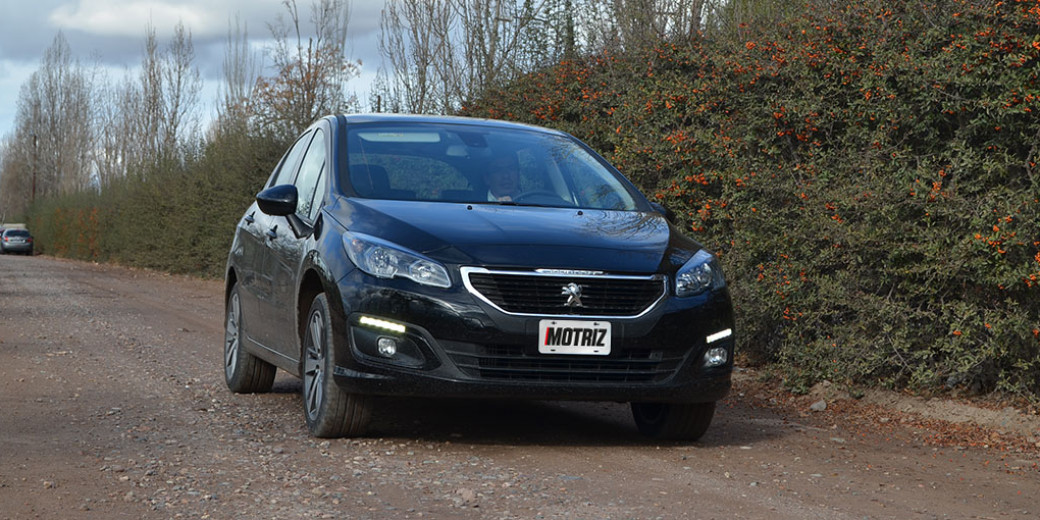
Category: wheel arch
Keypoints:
(316, 280)
(230, 280)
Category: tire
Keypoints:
(244, 373)
(673, 421)
(330, 411)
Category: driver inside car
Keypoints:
(502, 178)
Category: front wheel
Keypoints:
(244, 373)
(673, 421)
(330, 411)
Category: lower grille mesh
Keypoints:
(504, 363)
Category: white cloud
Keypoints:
(111, 33)
(205, 18)
(127, 17)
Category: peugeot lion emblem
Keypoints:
(573, 293)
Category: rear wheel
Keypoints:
(244, 373)
(330, 411)
(673, 421)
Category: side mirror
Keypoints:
(279, 201)
(668, 213)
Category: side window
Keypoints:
(311, 176)
(319, 193)
(287, 171)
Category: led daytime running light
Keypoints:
(377, 323)
(722, 334)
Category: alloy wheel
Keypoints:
(314, 364)
(232, 335)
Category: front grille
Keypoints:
(511, 363)
(538, 294)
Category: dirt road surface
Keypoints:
(113, 405)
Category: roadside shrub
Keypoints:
(866, 171)
(173, 217)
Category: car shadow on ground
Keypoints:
(555, 423)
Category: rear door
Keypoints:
(247, 258)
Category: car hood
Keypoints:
(523, 236)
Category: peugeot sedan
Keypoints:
(455, 257)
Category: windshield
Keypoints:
(481, 164)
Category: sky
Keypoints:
(112, 33)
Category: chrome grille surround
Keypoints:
(535, 293)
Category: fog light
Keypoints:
(717, 356)
(387, 346)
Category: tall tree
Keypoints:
(443, 52)
(637, 23)
(168, 98)
(311, 69)
(733, 17)
(492, 33)
(54, 123)
(154, 118)
(16, 163)
(415, 34)
(551, 33)
(181, 85)
(149, 107)
(117, 141)
(241, 70)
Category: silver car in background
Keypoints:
(16, 241)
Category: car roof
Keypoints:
(435, 119)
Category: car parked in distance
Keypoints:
(394, 255)
(14, 240)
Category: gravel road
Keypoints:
(113, 405)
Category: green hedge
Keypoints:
(175, 217)
(867, 172)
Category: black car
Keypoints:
(456, 257)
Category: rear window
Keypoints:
(16, 233)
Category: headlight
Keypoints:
(700, 273)
(385, 260)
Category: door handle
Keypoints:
(272, 233)
(249, 218)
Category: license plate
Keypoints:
(591, 338)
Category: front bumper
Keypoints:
(453, 345)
